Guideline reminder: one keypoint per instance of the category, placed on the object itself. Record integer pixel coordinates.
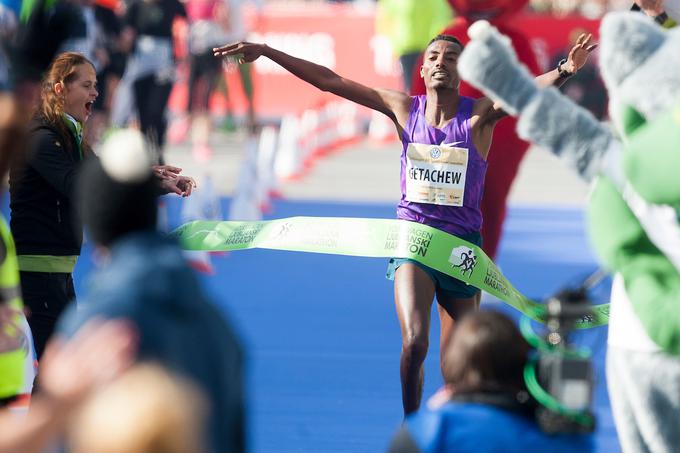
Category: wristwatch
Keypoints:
(664, 20)
(563, 72)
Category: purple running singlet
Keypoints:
(442, 174)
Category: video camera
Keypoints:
(560, 377)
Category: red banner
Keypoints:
(342, 38)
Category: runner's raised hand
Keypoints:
(245, 52)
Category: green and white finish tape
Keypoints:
(372, 238)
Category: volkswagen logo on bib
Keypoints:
(435, 152)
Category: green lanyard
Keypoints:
(28, 7)
(77, 130)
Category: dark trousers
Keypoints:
(151, 97)
(45, 295)
(408, 62)
(205, 70)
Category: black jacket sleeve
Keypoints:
(51, 157)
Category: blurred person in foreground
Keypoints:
(485, 405)
(17, 369)
(47, 232)
(145, 279)
(145, 410)
(71, 371)
(17, 353)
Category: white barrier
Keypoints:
(316, 132)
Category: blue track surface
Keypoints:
(322, 338)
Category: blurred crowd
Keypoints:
(588, 8)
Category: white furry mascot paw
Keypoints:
(640, 65)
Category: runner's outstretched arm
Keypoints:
(392, 103)
(490, 112)
(577, 58)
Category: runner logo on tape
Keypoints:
(464, 258)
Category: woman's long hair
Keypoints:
(486, 352)
(51, 108)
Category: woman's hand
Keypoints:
(166, 171)
(171, 181)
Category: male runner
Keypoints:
(441, 130)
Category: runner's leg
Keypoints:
(451, 310)
(413, 295)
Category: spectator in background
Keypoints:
(146, 410)
(209, 24)
(592, 9)
(236, 30)
(43, 222)
(150, 70)
(48, 237)
(486, 406)
(84, 34)
(409, 24)
(17, 353)
(111, 64)
(212, 22)
(146, 280)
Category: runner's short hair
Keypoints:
(449, 38)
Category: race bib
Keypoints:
(435, 174)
